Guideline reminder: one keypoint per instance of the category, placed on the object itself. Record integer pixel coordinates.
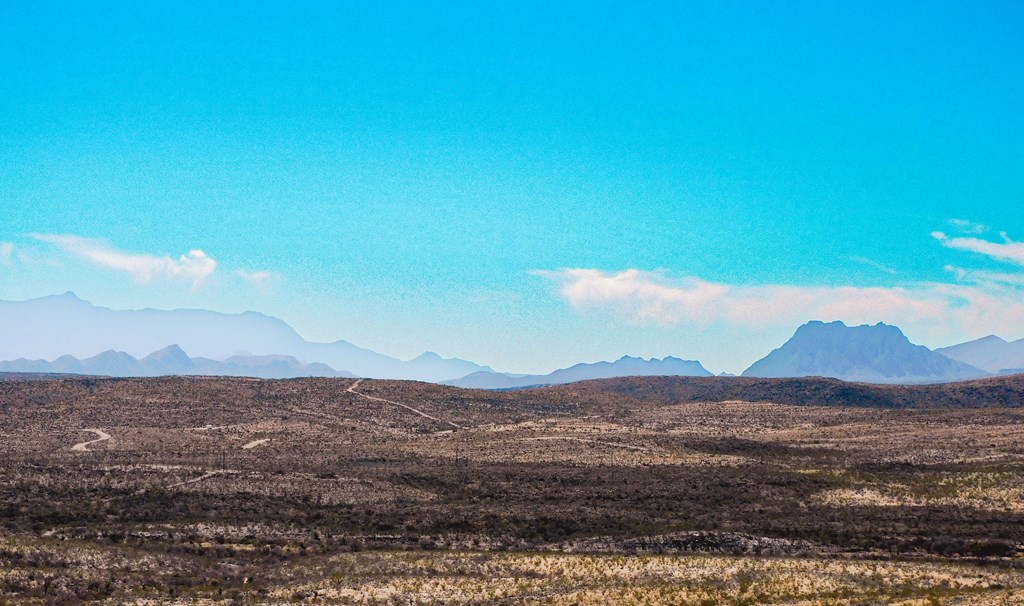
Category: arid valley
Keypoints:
(647, 490)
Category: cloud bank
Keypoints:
(650, 298)
(979, 302)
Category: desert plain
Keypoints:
(193, 490)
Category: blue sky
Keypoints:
(527, 185)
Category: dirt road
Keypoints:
(352, 390)
(84, 446)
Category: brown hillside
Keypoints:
(1005, 391)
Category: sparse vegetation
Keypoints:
(245, 491)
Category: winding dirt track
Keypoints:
(84, 446)
(352, 389)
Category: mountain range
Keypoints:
(624, 366)
(172, 360)
(55, 326)
(63, 334)
(870, 354)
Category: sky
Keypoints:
(523, 184)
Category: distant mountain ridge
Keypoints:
(65, 334)
(991, 353)
(624, 366)
(51, 327)
(1004, 391)
(872, 354)
(173, 360)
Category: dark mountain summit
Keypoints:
(874, 354)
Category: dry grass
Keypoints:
(121, 576)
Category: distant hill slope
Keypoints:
(872, 354)
(615, 396)
(990, 353)
(1007, 391)
(623, 367)
(48, 327)
(172, 361)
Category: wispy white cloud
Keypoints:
(6, 252)
(258, 278)
(1007, 250)
(967, 227)
(195, 266)
(985, 277)
(875, 264)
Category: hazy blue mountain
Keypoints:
(113, 363)
(430, 364)
(265, 367)
(496, 380)
(623, 367)
(172, 360)
(990, 353)
(66, 364)
(872, 354)
(53, 326)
